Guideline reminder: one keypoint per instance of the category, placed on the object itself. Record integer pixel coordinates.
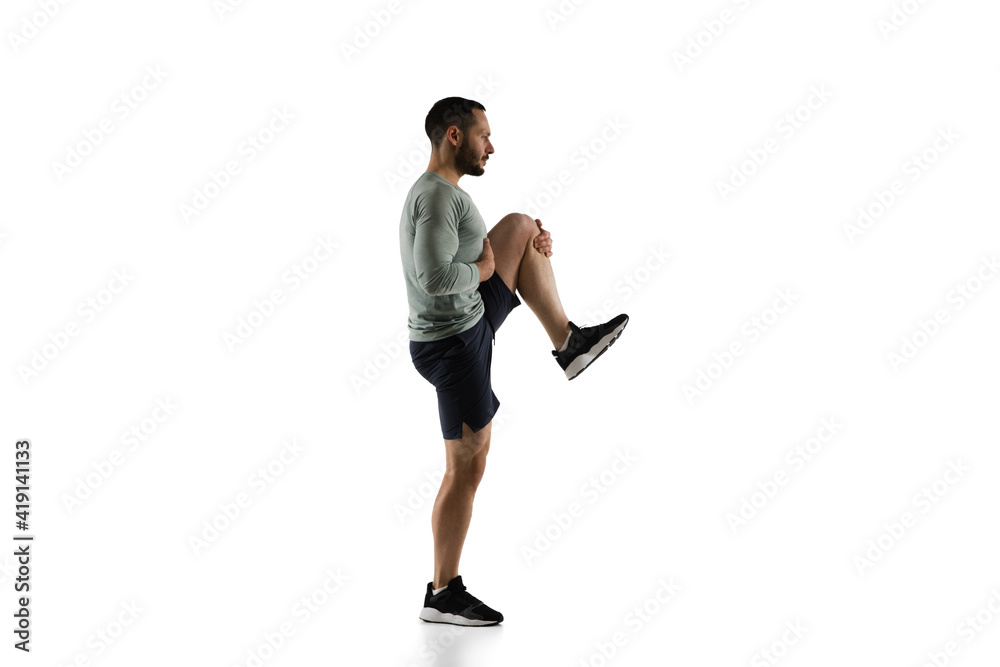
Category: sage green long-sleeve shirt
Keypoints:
(440, 238)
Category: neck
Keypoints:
(444, 168)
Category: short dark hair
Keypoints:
(456, 111)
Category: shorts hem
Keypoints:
(493, 413)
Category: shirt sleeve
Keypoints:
(435, 243)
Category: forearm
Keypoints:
(450, 278)
(485, 271)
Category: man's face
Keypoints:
(475, 148)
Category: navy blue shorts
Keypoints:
(459, 366)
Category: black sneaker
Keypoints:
(455, 606)
(587, 344)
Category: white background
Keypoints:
(326, 368)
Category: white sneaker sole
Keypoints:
(432, 615)
(580, 364)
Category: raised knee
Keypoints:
(523, 223)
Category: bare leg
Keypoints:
(466, 463)
(529, 272)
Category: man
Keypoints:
(461, 283)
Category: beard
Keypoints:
(469, 161)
